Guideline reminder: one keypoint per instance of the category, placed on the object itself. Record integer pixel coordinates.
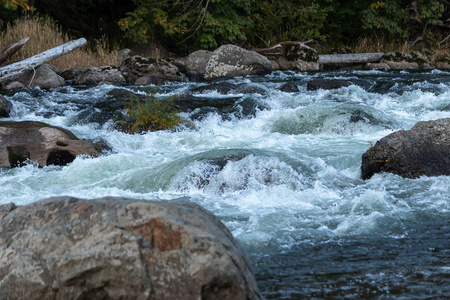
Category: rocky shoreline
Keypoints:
(225, 61)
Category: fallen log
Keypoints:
(9, 50)
(16, 69)
(356, 58)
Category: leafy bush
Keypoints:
(150, 114)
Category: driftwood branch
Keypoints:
(9, 50)
(16, 69)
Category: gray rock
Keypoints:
(221, 88)
(41, 143)
(290, 87)
(231, 61)
(380, 66)
(195, 63)
(422, 150)
(291, 56)
(99, 75)
(14, 85)
(44, 77)
(5, 107)
(294, 57)
(423, 61)
(138, 66)
(399, 61)
(116, 248)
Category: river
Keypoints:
(285, 179)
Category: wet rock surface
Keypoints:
(424, 150)
(117, 248)
(41, 143)
(327, 84)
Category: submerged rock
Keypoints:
(443, 63)
(221, 88)
(327, 84)
(116, 248)
(422, 150)
(232, 61)
(290, 87)
(41, 143)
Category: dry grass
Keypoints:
(382, 44)
(379, 44)
(45, 34)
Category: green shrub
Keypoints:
(150, 114)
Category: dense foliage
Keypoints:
(186, 25)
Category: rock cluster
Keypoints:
(116, 248)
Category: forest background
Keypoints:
(183, 26)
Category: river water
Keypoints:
(285, 178)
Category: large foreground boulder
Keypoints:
(41, 143)
(423, 150)
(116, 248)
(232, 61)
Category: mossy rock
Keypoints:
(295, 53)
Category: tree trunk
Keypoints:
(7, 52)
(16, 69)
(357, 58)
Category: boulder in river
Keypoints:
(41, 143)
(232, 61)
(137, 66)
(117, 248)
(422, 150)
(5, 107)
